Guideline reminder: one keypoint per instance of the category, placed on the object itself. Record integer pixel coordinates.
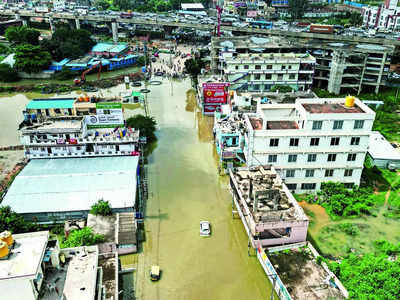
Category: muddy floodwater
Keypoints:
(184, 189)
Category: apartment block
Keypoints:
(311, 141)
(260, 72)
(340, 66)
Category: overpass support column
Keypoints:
(51, 22)
(77, 24)
(114, 27)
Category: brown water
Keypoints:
(336, 242)
(183, 190)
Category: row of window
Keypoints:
(294, 142)
(310, 173)
(268, 67)
(292, 158)
(312, 186)
(338, 124)
(269, 76)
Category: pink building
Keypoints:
(268, 210)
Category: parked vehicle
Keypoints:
(317, 28)
(205, 229)
(155, 273)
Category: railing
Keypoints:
(82, 154)
(97, 140)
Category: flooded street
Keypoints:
(184, 189)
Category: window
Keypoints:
(291, 186)
(358, 124)
(35, 148)
(314, 142)
(257, 76)
(294, 142)
(289, 67)
(236, 67)
(292, 76)
(351, 157)
(258, 67)
(355, 141)
(348, 185)
(272, 158)
(348, 172)
(280, 77)
(273, 142)
(283, 67)
(57, 111)
(331, 157)
(308, 186)
(310, 173)
(312, 157)
(335, 141)
(317, 125)
(328, 172)
(246, 67)
(292, 158)
(337, 124)
(290, 173)
(268, 76)
(78, 148)
(269, 67)
(256, 87)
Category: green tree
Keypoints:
(22, 35)
(31, 59)
(193, 66)
(146, 126)
(82, 237)
(124, 4)
(101, 208)
(8, 74)
(101, 4)
(297, 8)
(11, 221)
(355, 18)
(281, 88)
(68, 43)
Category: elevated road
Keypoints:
(157, 22)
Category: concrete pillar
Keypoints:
(114, 27)
(51, 22)
(77, 24)
(381, 72)
(336, 74)
(17, 17)
(24, 22)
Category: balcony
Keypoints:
(86, 140)
(83, 154)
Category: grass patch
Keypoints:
(131, 106)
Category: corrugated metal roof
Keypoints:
(50, 103)
(72, 184)
(108, 47)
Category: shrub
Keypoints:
(281, 88)
(82, 237)
(102, 208)
(8, 74)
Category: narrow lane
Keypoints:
(184, 189)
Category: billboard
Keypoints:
(215, 92)
(209, 109)
(107, 115)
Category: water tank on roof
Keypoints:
(349, 101)
(3, 249)
(6, 236)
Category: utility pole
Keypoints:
(170, 63)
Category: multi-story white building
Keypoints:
(262, 71)
(71, 137)
(386, 16)
(311, 141)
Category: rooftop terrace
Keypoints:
(25, 257)
(56, 124)
(276, 125)
(331, 108)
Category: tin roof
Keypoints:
(50, 103)
(109, 47)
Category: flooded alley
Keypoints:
(184, 189)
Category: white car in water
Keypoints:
(205, 229)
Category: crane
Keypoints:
(82, 80)
(220, 8)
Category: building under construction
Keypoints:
(269, 212)
(340, 66)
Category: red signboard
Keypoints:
(210, 108)
(215, 92)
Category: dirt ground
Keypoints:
(302, 276)
(8, 160)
